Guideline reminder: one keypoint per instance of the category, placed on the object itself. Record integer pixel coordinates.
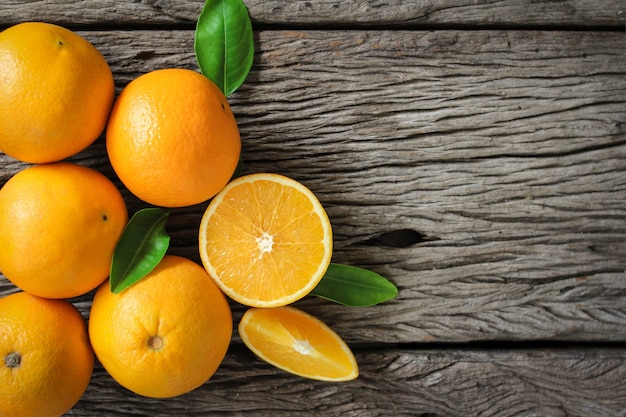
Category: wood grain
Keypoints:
(479, 163)
(417, 382)
(570, 13)
(509, 189)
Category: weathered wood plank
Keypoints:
(502, 152)
(507, 148)
(581, 383)
(450, 12)
(325, 12)
(494, 161)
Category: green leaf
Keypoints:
(354, 287)
(224, 43)
(140, 248)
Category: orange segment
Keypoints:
(266, 240)
(297, 342)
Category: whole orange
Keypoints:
(56, 92)
(172, 138)
(60, 223)
(165, 335)
(47, 361)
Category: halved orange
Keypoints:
(266, 240)
(297, 342)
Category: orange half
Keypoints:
(266, 240)
(297, 342)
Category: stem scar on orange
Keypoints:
(46, 360)
(266, 240)
(297, 342)
(165, 335)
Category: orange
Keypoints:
(56, 89)
(46, 357)
(172, 138)
(166, 334)
(266, 240)
(60, 223)
(297, 342)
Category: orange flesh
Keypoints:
(298, 343)
(266, 243)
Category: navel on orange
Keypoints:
(45, 357)
(165, 335)
(172, 138)
(266, 240)
(60, 223)
(297, 342)
(57, 91)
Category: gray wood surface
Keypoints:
(400, 383)
(483, 171)
(513, 187)
(583, 13)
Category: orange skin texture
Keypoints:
(165, 335)
(60, 223)
(57, 91)
(172, 138)
(55, 358)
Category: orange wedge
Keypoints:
(266, 240)
(297, 342)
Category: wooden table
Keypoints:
(473, 152)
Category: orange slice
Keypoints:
(266, 240)
(297, 342)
